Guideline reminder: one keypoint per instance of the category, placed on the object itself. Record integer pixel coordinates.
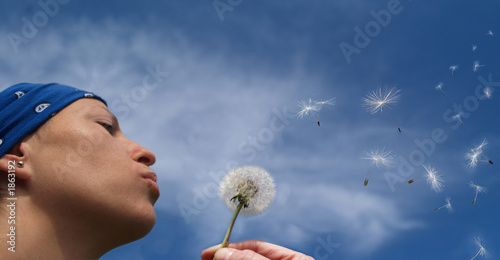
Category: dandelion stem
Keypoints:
(476, 255)
(230, 228)
(368, 175)
(315, 119)
(417, 179)
(475, 198)
(392, 119)
(487, 160)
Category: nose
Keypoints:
(141, 154)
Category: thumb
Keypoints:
(234, 254)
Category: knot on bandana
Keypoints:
(24, 107)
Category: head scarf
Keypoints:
(24, 107)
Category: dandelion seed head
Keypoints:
(481, 146)
(247, 189)
(487, 92)
(473, 158)
(458, 116)
(308, 108)
(453, 68)
(380, 157)
(477, 188)
(448, 204)
(433, 178)
(378, 99)
(476, 65)
(475, 154)
(480, 243)
(250, 185)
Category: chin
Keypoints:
(136, 223)
(149, 224)
(145, 222)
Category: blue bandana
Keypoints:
(24, 107)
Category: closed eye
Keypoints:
(108, 127)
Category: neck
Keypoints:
(33, 234)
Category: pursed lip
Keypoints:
(150, 175)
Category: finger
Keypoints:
(208, 254)
(234, 254)
(269, 250)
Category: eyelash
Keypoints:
(108, 127)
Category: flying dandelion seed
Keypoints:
(308, 108)
(473, 158)
(320, 104)
(477, 155)
(478, 189)
(312, 108)
(433, 178)
(487, 92)
(453, 68)
(440, 87)
(447, 205)
(490, 33)
(458, 117)
(249, 190)
(482, 251)
(474, 47)
(380, 158)
(377, 101)
(476, 66)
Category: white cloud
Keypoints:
(365, 219)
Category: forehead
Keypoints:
(84, 106)
(67, 118)
(81, 109)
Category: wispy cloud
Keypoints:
(217, 108)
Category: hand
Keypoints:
(252, 250)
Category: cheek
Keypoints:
(92, 177)
(70, 147)
(82, 160)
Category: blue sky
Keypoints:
(225, 87)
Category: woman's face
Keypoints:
(86, 171)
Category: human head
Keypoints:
(81, 176)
